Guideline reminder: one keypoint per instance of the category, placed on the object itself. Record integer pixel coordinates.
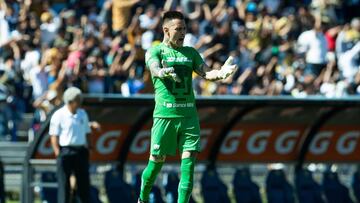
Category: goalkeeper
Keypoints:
(176, 124)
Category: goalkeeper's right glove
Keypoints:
(166, 71)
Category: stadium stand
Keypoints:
(171, 186)
(278, 189)
(155, 194)
(307, 189)
(334, 190)
(94, 195)
(356, 185)
(2, 185)
(12, 156)
(171, 182)
(48, 194)
(245, 190)
(117, 189)
(212, 187)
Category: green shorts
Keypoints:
(169, 134)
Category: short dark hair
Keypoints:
(169, 15)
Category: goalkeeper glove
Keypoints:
(168, 72)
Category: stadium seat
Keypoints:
(356, 185)
(94, 195)
(171, 188)
(48, 194)
(278, 189)
(117, 189)
(334, 191)
(155, 195)
(307, 189)
(245, 190)
(212, 188)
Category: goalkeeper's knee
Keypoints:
(186, 180)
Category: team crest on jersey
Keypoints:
(156, 146)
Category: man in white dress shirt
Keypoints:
(69, 132)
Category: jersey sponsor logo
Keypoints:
(178, 105)
(181, 59)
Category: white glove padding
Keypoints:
(166, 71)
(228, 68)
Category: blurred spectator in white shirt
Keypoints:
(149, 20)
(349, 63)
(4, 25)
(313, 44)
(39, 80)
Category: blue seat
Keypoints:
(155, 194)
(117, 189)
(278, 189)
(171, 188)
(307, 189)
(94, 195)
(245, 190)
(212, 188)
(334, 191)
(48, 194)
(356, 185)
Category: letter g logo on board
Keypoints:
(231, 143)
(141, 143)
(258, 141)
(285, 143)
(347, 142)
(108, 148)
(321, 142)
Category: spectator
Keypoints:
(314, 45)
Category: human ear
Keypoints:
(166, 31)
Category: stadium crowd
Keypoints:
(287, 47)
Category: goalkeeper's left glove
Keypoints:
(228, 68)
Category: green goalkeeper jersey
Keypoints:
(174, 99)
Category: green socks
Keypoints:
(186, 180)
(148, 178)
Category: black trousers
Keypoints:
(73, 160)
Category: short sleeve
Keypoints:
(197, 59)
(55, 128)
(303, 42)
(86, 123)
(152, 55)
